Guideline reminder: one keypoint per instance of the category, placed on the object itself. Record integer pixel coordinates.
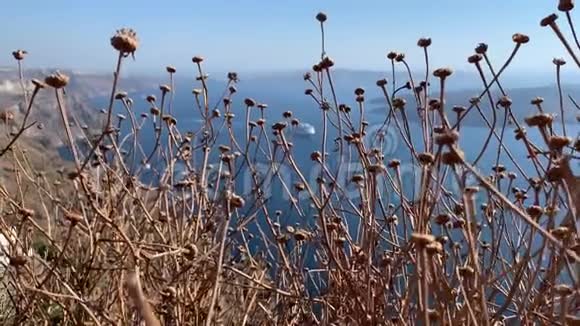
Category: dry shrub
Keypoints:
(119, 238)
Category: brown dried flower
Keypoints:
(559, 61)
(481, 48)
(519, 38)
(125, 41)
(442, 72)
(548, 20)
(565, 5)
(424, 42)
(57, 80)
(475, 58)
(19, 54)
(249, 102)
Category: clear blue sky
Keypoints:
(272, 35)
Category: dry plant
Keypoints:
(122, 240)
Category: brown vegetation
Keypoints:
(100, 245)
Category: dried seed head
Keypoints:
(421, 239)
(170, 69)
(287, 114)
(151, 99)
(391, 55)
(316, 156)
(442, 219)
(442, 72)
(565, 5)
(382, 82)
(321, 17)
(154, 111)
(197, 59)
(165, 88)
(394, 163)
(250, 102)
(316, 68)
(563, 290)
(295, 122)
(424, 42)
(561, 232)
(434, 248)
(399, 103)
(400, 57)
(56, 80)
(434, 104)
(548, 20)
(326, 63)
(559, 61)
(125, 41)
(357, 178)
(504, 102)
(519, 38)
(376, 168)
(307, 76)
(426, 158)
(278, 126)
(474, 100)
(262, 106)
(233, 76)
(299, 186)
(520, 133)
(19, 54)
(466, 271)
(227, 158)
(557, 143)
(224, 148)
(539, 120)
(360, 98)
(481, 48)
(449, 137)
(555, 173)
(474, 58)
(359, 91)
(121, 95)
(537, 100)
(459, 109)
(391, 219)
(302, 235)
(534, 211)
(498, 168)
(237, 201)
(452, 157)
